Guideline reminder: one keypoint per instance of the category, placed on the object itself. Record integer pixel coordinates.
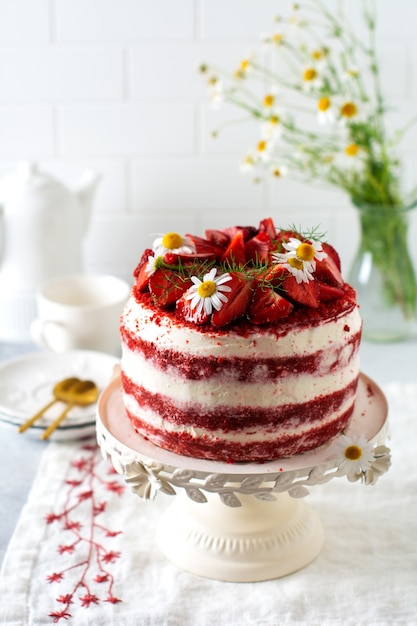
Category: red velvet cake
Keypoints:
(240, 346)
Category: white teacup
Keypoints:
(80, 312)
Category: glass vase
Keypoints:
(383, 274)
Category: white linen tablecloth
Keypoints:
(84, 551)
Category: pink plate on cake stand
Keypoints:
(238, 522)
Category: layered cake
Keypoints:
(242, 345)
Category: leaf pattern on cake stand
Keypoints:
(147, 478)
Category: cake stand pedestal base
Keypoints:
(259, 540)
(242, 522)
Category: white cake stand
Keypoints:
(237, 522)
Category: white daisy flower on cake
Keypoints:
(300, 258)
(208, 293)
(355, 455)
(172, 242)
(152, 264)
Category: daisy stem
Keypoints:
(384, 233)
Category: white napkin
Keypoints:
(83, 533)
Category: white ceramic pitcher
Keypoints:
(42, 226)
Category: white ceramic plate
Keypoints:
(26, 385)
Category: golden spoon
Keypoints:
(60, 393)
(82, 393)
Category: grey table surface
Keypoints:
(20, 455)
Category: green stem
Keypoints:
(384, 232)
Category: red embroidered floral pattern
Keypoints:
(84, 550)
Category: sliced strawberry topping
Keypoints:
(235, 251)
(247, 231)
(140, 272)
(276, 274)
(262, 289)
(329, 292)
(142, 279)
(328, 272)
(143, 261)
(258, 248)
(218, 237)
(167, 286)
(268, 306)
(333, 254)
(190, 315)
(283, 236)
(238, 300)
(204, 246)
(306, 294)
(267, 226)
(196, 258)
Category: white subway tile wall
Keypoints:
(113, 85)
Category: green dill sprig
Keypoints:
(254, 272)
(312, 233)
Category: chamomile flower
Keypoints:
(244, 68)
(203, 68)
(300, 258)
(208, 293)
(352, 150)
(350, 158)
(311, 78)
(248, 162)
(348, 110)
(216, 91)
(319, 54)
(350, 74)
(268, 100)
(153, 263)
(295, 21)
(278, 171)
(276, 39)
(272, 128)
(172, 242)
(320, 59)
(263, 150)
(355, 455)
(325, 112)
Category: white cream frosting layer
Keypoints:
(248, 435)
(167, 335)
(214, 392)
